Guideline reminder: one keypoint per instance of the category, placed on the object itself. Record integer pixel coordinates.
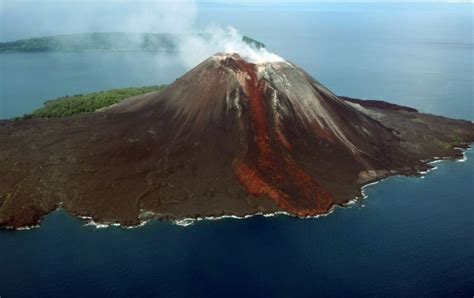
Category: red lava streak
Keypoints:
(267, 169)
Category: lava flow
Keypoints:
(266, 169)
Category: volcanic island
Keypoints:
(229, 137)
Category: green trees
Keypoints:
(86, 103)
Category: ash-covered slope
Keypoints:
(229, 137)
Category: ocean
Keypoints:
(409, 237)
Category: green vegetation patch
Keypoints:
(86, 103)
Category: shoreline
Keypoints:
(188, 221)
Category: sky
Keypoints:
(30, 18)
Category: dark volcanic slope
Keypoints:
(229, 137)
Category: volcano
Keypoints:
(228, 138)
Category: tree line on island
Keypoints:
(86, 103)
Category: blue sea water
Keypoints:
(410, 237)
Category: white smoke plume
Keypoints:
(195, 48)
(196, 44)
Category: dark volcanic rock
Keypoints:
(229, 137)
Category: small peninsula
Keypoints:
(86, 103)
(229, 137)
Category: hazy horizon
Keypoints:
(27, 19)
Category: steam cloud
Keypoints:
(180, 17)
(194, 49)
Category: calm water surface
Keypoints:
(411, 237)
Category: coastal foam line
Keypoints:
(423, 173)
(24, 228)
(464, 155)
(363, 187)
(436, 160)
(180, 222)
(103, 225)
(189, 221)
(35, 226)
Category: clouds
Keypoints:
(24, 19)
(195, 48)
(27, 18)
(162, 17)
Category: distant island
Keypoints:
(103, 41)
